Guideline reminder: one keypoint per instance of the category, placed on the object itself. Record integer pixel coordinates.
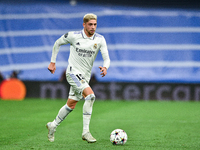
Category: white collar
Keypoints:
(86, 37)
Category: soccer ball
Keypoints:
(118, 137)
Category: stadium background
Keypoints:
(153, 46)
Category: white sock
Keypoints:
(87, 112)
(62, 114)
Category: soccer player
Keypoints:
(84, 46)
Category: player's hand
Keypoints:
(52, 67)
(103, 70)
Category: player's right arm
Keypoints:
(61, 41)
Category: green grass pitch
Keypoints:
(150, 125)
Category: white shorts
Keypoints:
(77, 85)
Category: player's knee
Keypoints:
(90, 97)
(71, 103)
(89, 100)
(87, 106)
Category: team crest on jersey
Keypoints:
(95, 46)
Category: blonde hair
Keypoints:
(89, 17)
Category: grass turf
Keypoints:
(150, 125)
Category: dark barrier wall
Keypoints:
(119, 91)
(140, 3)
(151, 3)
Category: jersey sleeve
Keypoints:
(64, 39)
(104, 53)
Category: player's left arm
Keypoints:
(103, 70)
(106, 58)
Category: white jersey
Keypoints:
(83, 51)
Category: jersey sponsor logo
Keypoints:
(85, 53)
